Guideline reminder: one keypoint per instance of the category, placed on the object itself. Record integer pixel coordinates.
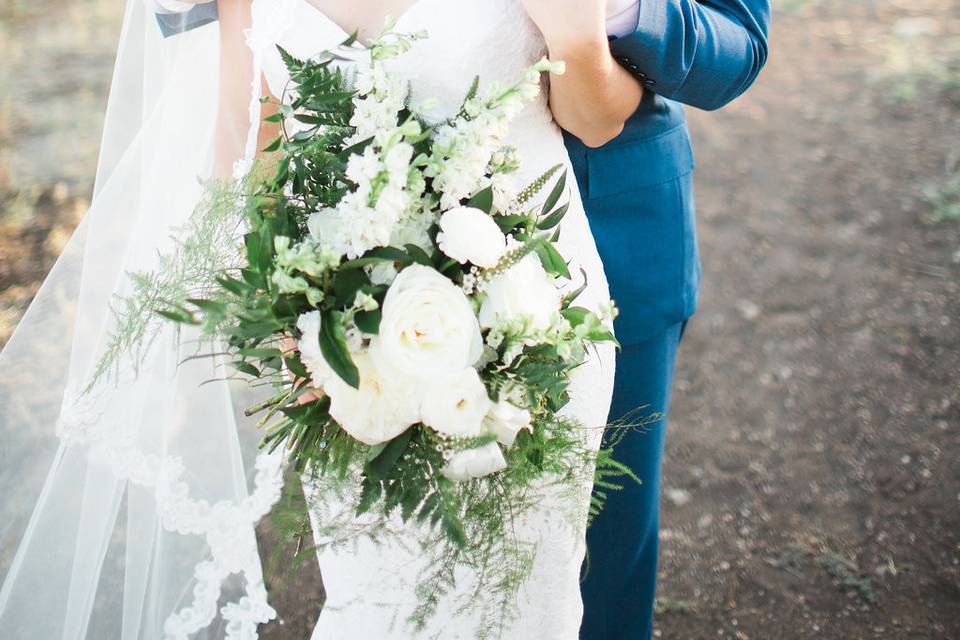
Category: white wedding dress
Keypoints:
(370, 588)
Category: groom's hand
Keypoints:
(569, 23)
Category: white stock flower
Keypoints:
(468, 234)
(309, 345)
(382, 408)
(397, 162)
(524, 291)
(457, 406)
(475, 463)
(505, 420)
(428, 328)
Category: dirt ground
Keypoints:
(812, 483)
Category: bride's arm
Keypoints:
(233, 115)
(596, 96)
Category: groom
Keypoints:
(637, 192)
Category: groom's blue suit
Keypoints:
(638, 195)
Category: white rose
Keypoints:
(428, 328)
(475, 463)
(458, 406)
(505, 420)
(524, 290)
(309, 345)
(382, 408)
(470, 235)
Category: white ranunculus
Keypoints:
(475, 463)
(309, 345)
(457, 406)
(382, 408)
(505, 420)
(468, 234)
(525, 291)
(428, 329)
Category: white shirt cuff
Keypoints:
(169, 6)
(623, 17)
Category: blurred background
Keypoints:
(812, 481)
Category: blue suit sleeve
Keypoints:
(703, 53)
(173, 23)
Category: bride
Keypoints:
(130, 497)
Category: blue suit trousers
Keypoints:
(622, 543)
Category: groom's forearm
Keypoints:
(596, 96)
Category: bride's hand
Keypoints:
(596, 96)
(288, 345)
(566, 22)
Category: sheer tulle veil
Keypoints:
(128, 506)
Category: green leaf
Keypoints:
(552, 260)
(576, 315)
(380, 254)
(236, 287)
(273, 146)
(346, 284)
(254, 278)
(355, 149)
(296, 367)
(369, 495)
(252, 241)
(428, 507)
(207, 305)
(258, 330)
(333, 346)
(412, 496)
(246, 367)
(262, 353)
(453, 528)
(418, 255)
(603, 335)
(554, 218)
(482, 200)
(333, 96)
(376, 450)
(379, 468)
(260, 254)
(554, 196)
(507, 223)
(569, 298)
(369, 321)
(180, 316)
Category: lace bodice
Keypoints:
(494, 39)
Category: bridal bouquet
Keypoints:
(403, 296)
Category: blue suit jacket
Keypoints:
(637, 189)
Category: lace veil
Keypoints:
(128, 499)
